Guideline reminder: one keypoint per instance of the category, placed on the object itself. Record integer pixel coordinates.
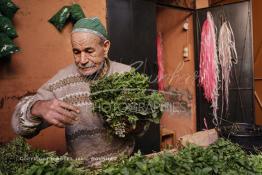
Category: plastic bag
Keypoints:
(76, 12)
(7, 27)
(60, 18)
(8, 8)
(7, 46)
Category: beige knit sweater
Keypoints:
(87, 138)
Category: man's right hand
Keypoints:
(55, 112)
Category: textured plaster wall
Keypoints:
(179, 75)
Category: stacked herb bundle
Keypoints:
(124, 101)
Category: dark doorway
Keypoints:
(132, 32)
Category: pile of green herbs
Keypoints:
(124, 100)
(18, 158)
(220, 158)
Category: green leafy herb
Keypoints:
(54, 164)
(220, 158)
(123, 100)
(18, 158)
(16, 154)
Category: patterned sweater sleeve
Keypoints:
(23, 122)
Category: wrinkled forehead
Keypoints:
(84, 38)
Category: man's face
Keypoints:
(89, 52)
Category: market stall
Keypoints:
(156, 87)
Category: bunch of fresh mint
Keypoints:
(124, 101)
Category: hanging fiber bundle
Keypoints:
(227, 56)
(160, 62)
(208, 66)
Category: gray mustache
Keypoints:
(87, 65)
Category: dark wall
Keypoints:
(241, 107)
(132, 32)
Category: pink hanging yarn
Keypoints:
(160, 62)
(208, 66)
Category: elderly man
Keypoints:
(63, 101)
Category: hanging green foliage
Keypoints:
(76, 13)
(60, 18)
(7, 27)
(8, 8)
(7, 46)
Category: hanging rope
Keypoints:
(208, 66)
(227, 56)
